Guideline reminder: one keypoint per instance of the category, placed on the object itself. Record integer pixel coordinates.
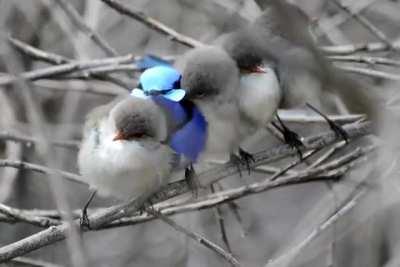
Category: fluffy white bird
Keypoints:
(122, 154)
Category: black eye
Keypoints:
(177, 83)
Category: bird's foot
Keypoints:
(191, 180)
(246, 158)
(290, 137)
(237, 161)
(84, 221)
(336, 128)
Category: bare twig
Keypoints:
(354, 48)
(37, 53)
(40, 169)
(101, 218)
(366, 23)
(367, 60)
(28, 218)
(152, 23)
(66, 68)
(34, 262)
(371, 73)
(346, 208)
(221, 222)
(80, 23)
(196, 237)
(16, 137)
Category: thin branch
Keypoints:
(101, 218)
(37, 53)
(331, 170)
(370, 73)
(34, 262)
(300, 117)
(80, 23)
(41, 169)
(19, 215)
(346, 208)
(16, 137)
(367, 60)
(66, 68)
(152, 23)
(55, 59)
(366, 23)
(198, 238)
(221, 222)
(354, 48)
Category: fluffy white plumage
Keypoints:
(259, 97)
(122, 169)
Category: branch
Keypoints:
(41, 169)
(37, 53)
(367, 60)
(152, 23)
(18, 215)
(101, 218)
(371, 73)
(80, 23)
(367, 24)
(354, 48)
(198, 238)
(66, 68)
(16, 137)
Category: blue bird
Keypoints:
(187, 125)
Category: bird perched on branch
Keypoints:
(211, 80)
(122, 153)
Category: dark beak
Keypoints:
(119, 136)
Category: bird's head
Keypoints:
(209, 73)
(138, 119)
(160, 80)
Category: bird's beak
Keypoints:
(258, 69)
(119, 136)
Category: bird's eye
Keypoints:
(200, 94)
(140, 86)
(177, 83)
(137, 135)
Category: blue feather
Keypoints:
(190, 140)
(149, 61)
(175, 110)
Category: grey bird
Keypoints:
(211, 80)
(122, 154)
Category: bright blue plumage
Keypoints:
(189, 127)
(190, 140)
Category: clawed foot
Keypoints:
(244, 158)
(291, 138)
(190, 177)
(84, 219)
(338, 129)
(247, 158)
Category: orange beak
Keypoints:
(258, 69)
(119, 136)
(255, 69)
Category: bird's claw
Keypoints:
(84, 221)
(190, 177)
(247, 158)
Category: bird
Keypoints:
(298, 74)
(187, 125)
(210, 78)
(122, 153)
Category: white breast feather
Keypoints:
(123, 169)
